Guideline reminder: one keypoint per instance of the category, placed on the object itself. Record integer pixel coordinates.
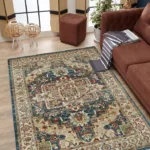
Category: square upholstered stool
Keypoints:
(72, 29)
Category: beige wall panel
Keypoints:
(9, 7)
(63, 5)
(3, 23)
(80, 4)
(2, 28)
(2, 10)
(54, 23)
(54, 5)
(9, 11)
(55, 18)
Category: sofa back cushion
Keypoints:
(142, 27)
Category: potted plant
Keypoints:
(101, 6)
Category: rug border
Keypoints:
(146, 148)
(124, 89)
(131, 98)
(12, 95)
(13, 107)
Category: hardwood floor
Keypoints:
(51, 44)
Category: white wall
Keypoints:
(71, 6)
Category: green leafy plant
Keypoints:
(102, 6)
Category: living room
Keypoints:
(75, 74)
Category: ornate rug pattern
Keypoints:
(59, 103)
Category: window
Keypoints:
(92, 4)
(33, 11)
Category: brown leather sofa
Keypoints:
(132, 60)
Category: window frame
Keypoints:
(28, 12)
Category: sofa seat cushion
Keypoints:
(142, 27)
(133, 53)
(139, 77)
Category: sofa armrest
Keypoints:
(119, 20)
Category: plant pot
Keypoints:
(96, 34)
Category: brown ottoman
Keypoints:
(72, 29)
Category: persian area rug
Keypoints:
(59, 103)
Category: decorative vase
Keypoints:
(97, 34)
(32, 31)
(14, 30)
